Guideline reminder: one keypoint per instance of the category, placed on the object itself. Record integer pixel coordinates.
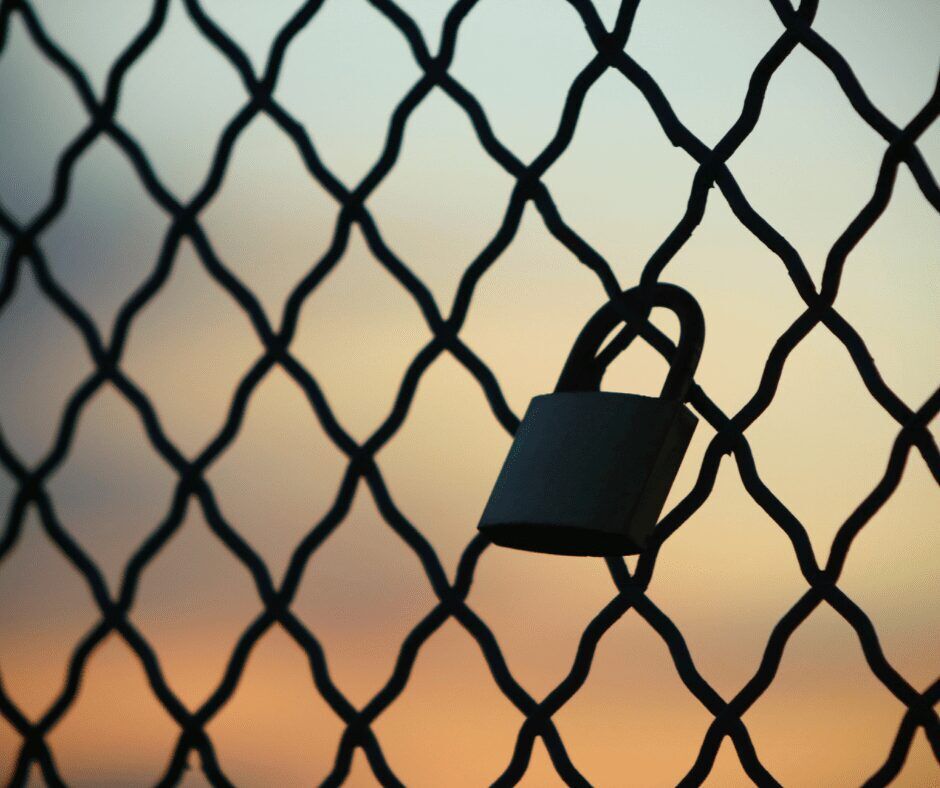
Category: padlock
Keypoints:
(589, 471)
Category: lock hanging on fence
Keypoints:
(589, 471)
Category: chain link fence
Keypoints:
(729, 430)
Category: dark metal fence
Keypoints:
(729, 431)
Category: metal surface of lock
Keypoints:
(589, 471)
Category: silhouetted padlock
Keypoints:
(589, 471)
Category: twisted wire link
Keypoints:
(630, 589)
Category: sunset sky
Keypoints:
(725, 578)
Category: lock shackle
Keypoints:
(583, 370)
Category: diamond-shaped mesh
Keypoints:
(729, 431)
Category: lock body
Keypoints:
(588, 473)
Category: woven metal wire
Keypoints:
(729, 431)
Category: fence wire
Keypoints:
(729, 431)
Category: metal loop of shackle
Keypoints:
(583, 370)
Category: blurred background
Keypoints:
(725, 578)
